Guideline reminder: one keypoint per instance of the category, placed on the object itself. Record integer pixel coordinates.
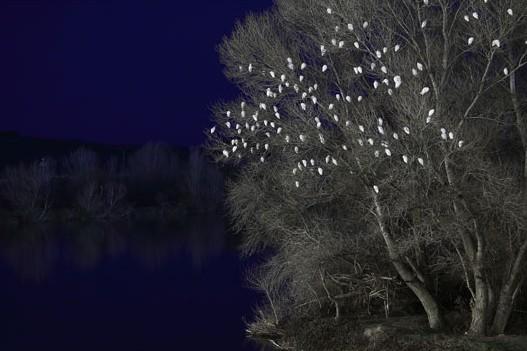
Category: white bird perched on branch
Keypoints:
(496, 43)
(320, 171)
(425, 90)
(405, 159)
(470, 40)
(398, 81)
(212, 130)
(510, 12)
(376, 189)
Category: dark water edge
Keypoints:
(123, 287)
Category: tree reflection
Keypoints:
(33, 252)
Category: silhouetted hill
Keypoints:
(15, 148)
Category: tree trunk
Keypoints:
(480, 304)
(503, 312)
(478, 324)
(408, 273)
(435, 318)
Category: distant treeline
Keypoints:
(154, 181)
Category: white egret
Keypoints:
(398, 81)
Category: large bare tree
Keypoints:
(418, 104)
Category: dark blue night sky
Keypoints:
(114, 71)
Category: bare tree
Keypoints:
(103, 201)
(406, 100)
(153, 162)
(81, 165)
(29, 189)
(204, 182)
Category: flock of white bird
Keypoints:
(295, 81)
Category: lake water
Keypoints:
(126, 287)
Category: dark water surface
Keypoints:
(127, 287)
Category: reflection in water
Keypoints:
(33, 251)
(141, 286)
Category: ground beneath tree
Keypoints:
(407, 333)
